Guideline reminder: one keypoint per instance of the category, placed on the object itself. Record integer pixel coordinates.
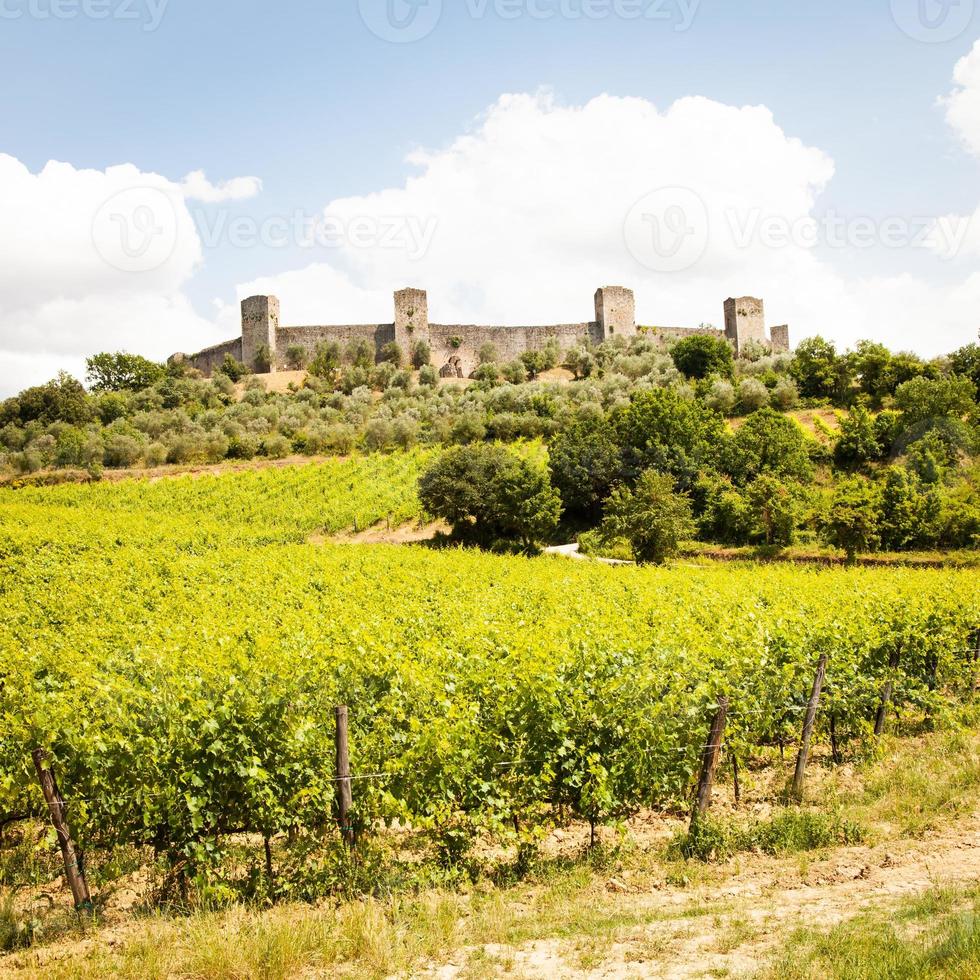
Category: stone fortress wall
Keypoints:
(456, 347)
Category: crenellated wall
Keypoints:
(455, 348)
(309, 338)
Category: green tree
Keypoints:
(775, 510)
(62, 399)
(910, 512)
(926, 400)
(819, 371)
(771, 443)
(703, 355)
(585, 463)
(966, 362)
(233, 368)
(122, 372)
(853, 521)
(326, 359)
(489, 495)
(857, 441)
(421, 354)
(664, 431)
(652, 516)
(871, 363)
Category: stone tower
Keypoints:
(260, 324)
(615, 312)
(745, 320)
(779, 340)
(411, 319)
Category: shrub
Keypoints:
(276, 446)
(857, 441)
(421, 354)
(326, 360)
(488, 354)
(514, 372)
(784, 396)
(392, 353)
(232, 368)
(122, 372)
(263, 359)
(768, 443)
(702, 355)
(752, 396)
(296, 357)
(854, 518)
(487, 494)
(721, 397)
(818, 370)
(122, 451)
(360, 353)
(585, 463)
(581, 362)
(487, 373)
(428, 376)
(663, 430)
(775, 510)
(653, 518)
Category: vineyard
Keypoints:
(179, 648)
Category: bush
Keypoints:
(276, 446)
(652, 517)
(488, 354)
(752, 396)
(703, 355)
(392, 353)
(784, 395)
(585, 463)
(232, 368)
(122, 372)
(487, 373)
(721, 397)
(514, 372)
(663, 430)
(488, 495)
(122, 452)
(857, 441)
(581, 362)
(428, 376)
(296, 357)
(819, 372)
(768, 443)
(326, 360)
(854, 519)
(421, 354)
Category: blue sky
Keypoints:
(303, 96)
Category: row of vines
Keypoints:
(186, 693)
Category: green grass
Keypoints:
(935, 935)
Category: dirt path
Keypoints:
(735, 928)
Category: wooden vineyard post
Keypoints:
(709, 762)
(886, 693)
(808, 723)
(345, 799)
(74, 874)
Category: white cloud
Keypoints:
(530, 208)
(91, 260)
(963, 103)
(196, 186)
